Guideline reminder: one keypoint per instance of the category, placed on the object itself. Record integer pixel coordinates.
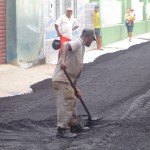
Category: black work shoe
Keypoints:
(78, 128)
(65, 133)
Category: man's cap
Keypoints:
(89, 32)
(69, 9)
(96, 7)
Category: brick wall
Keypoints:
(2, 31)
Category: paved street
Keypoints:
(116, 86)
(17, 80)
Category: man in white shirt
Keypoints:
(64, 26)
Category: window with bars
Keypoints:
(58, 8)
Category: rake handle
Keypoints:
(76, 91)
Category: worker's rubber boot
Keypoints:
(78, 128)
(65, 133)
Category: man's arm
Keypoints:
(57, 29)
(66, 47)
(76, 24)
(74, 28)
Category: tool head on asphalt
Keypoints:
(91, 121)
(56, 44)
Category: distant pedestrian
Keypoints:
(97, 28)
(71, 60)
(129, 19)
(64, 26)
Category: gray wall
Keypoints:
(30, 33)
(25, 31)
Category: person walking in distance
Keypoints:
(96, 20)
(71, 61)
(64, 26)
(129, 19)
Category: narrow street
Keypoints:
(115, 87)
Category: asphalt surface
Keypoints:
(115, 87)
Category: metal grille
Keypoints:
(58, 8)
(75, 8)
(67, 3)
(63, 4)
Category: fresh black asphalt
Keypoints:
(115, 86)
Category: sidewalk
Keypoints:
(17, 81)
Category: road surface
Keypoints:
(115, 87)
